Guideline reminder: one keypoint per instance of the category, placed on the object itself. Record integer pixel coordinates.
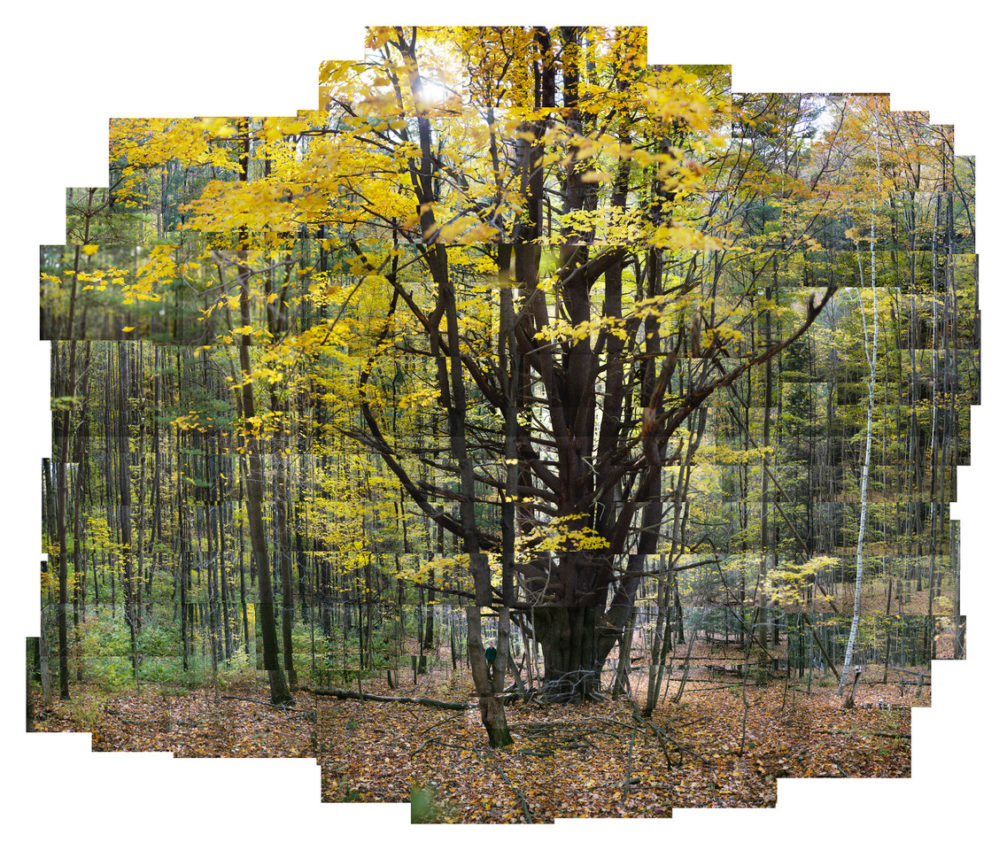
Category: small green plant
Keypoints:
(422, 805)
(112, 674)
(87, 711)
(239, 672)
(425, 807)
(160, 669)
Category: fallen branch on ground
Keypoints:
(284, 706)
(867, 734)
(338, 693)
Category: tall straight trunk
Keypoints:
(935, 391)
(212, 594)
(61, 508)
(183, 581)
(865, 472)
(79, 567)
(300, 556)
(241, 559)
(452, 393)
(428, 632)
(667, 584)
(510, 371)
(621, 685)
(110, 490)
(279, 693)
(420, 661)
(183, 543)
(278, 690)
(156, 529)
(913, 459)
(282, 511)
(768, 552)
(29, 663)
(45, 676)
(225, 603)
(136, 391)
(126, 504)
(958, 622)
(658, 647)
(61, 493)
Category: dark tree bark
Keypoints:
(126, 504)
(279, 692)
(286, 576)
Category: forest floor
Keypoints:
(598, 759)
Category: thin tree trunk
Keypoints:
(286, 577)
(45, 676)
(279, 692)
(865, 472)
(126, 505)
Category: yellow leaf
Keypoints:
(89, 249)
(127, 329)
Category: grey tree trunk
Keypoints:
(865, 472)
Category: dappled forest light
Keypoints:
(526, 432)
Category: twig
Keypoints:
(525, 811)
(440, 723)
(430, 741)
(629, 763)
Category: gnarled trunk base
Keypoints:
(575, 642)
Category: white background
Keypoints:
(66, 72)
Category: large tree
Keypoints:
(516, 266)
(633, 247)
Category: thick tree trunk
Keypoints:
(490, 706)
(569, 638)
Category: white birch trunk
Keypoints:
(873, 357)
